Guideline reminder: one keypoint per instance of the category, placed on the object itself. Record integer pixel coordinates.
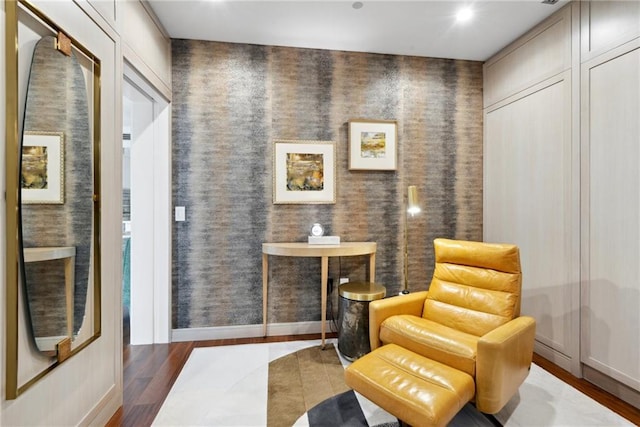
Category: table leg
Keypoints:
(69, 278)
(372, 267)
(265, 280)
(323, 294)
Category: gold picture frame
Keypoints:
(304, 172)
(373, 144)
(42, 172)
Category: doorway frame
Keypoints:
(160, 293)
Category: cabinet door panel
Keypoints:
(107, 9)
(145, 46)
(611, 202)
(607, 24)
(543, 52)
(528, 201)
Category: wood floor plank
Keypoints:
(158, 356)
(134, 358)
(116, 419)
(140, 415)
(167, 374)
(135, 388)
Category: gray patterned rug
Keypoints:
(296, 384)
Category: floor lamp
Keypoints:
(412, 208)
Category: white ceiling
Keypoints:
(420, 28)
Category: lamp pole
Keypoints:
(405, 288)
(412, 209)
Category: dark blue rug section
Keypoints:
(344, 410)
(340, 410)
(469, 416)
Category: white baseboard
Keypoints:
(247, 331)
(555, 356)
(618, 389)
(102, 412)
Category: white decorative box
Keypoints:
(324, 240)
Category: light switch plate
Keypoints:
(180, 213)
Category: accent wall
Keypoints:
(232, 101)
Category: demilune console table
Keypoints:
(320, 251)
(68, 254)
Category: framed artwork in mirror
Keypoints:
(42, 172)
(373, 144)
(304, 172)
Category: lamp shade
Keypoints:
(412, 200)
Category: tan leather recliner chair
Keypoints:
(469, 319)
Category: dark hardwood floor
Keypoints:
(151, 370)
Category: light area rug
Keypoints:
(231, 386)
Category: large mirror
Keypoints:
(56, 206)
(53, 272)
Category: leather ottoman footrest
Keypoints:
(416, 390)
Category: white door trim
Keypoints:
(160, 294)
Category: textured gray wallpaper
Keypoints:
(231, 101)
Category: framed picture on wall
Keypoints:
(373, 144)
(42, 168)
(304, 172)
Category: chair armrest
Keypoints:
(381, 309)
(503, 362)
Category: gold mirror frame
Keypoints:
(12, 156)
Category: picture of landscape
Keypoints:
(305, 172)
(34, 167)
(373, 145)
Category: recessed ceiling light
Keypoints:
(464, 14)
(357, 5)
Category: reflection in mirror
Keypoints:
(52, 198)
(56, 180)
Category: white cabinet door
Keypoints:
(611, 215)
(607, 24)
(531, 200)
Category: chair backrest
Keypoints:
(476, 286)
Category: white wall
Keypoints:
(146, 49)
(142, 225)
(88, 386)
(150, 164)
(87, 389)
